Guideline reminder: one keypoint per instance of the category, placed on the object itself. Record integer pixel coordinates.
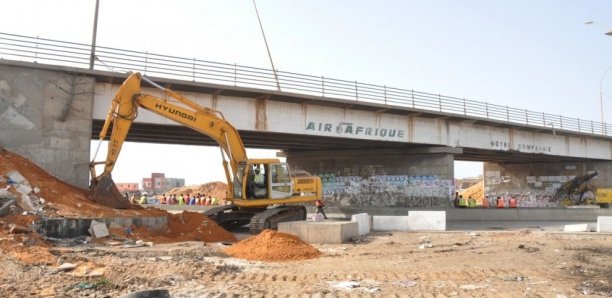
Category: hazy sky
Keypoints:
(535, 55)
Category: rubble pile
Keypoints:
(38, 192)
(213, 189)
(271, 245)
(28, 193)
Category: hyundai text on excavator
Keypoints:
(260, 202)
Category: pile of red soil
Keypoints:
(213, 189)
(61, 199)
(28, 248)
(64, 200)
(270, 245)
(186, 226)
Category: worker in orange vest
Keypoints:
(512, 202)
(485, 202)
(500, 202)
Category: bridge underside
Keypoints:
(180, 135)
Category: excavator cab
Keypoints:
(262, 180)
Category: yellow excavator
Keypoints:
(262, 192)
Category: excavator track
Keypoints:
(229, 217)
(270, 218)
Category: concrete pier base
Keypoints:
(323, 232)
(74, 227)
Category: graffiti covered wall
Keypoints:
(387, 191)
(381, 178)
(538, 185)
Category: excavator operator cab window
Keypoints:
(257, 182)
(238, 180)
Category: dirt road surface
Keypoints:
(383, 264)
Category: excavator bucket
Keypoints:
(105, 192)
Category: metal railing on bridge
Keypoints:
(41, 50)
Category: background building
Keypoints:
(158, 183)
(127, 187)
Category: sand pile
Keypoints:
(476, 191)
(213, 189)
(270, 245)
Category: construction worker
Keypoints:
(500, 202)
(471, 202)
(485, 202)
(181, 200)
(143, 199)
(456, 200)
(320, 205)
(214, 201)
(462, 202)
(512, 202)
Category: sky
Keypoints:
(535, 55)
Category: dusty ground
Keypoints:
(452, 264)
(458, 264)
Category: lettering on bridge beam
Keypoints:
(348, 128)
(521, 147)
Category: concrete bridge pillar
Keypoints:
(45, 116)
(420, 177)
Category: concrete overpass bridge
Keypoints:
(373, 145)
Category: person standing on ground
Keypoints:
(320, 205)
(456, 200)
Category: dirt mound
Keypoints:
(270, 245)
(476, 191)
(59, 199)
(213, 189)
(42, 194)
(186, 226)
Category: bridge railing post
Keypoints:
(36, 50)
(322, 86)
(356, 92)
(193, 69)
(235, 74)
(146, 61)
(412, 93)
(464, 108)
(561, 121)
(526, 117)
(487, 109)
(385, 93)
(507, 114)
(440, 102)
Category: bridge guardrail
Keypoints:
(41, 50)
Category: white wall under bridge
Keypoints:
(337, 121)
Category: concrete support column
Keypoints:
(45, 116)
(382, 178)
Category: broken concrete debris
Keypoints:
(98, 229)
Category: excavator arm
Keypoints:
(250, 199)
(122, 113)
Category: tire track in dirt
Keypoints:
(425, 284)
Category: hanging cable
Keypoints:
(267, 48)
